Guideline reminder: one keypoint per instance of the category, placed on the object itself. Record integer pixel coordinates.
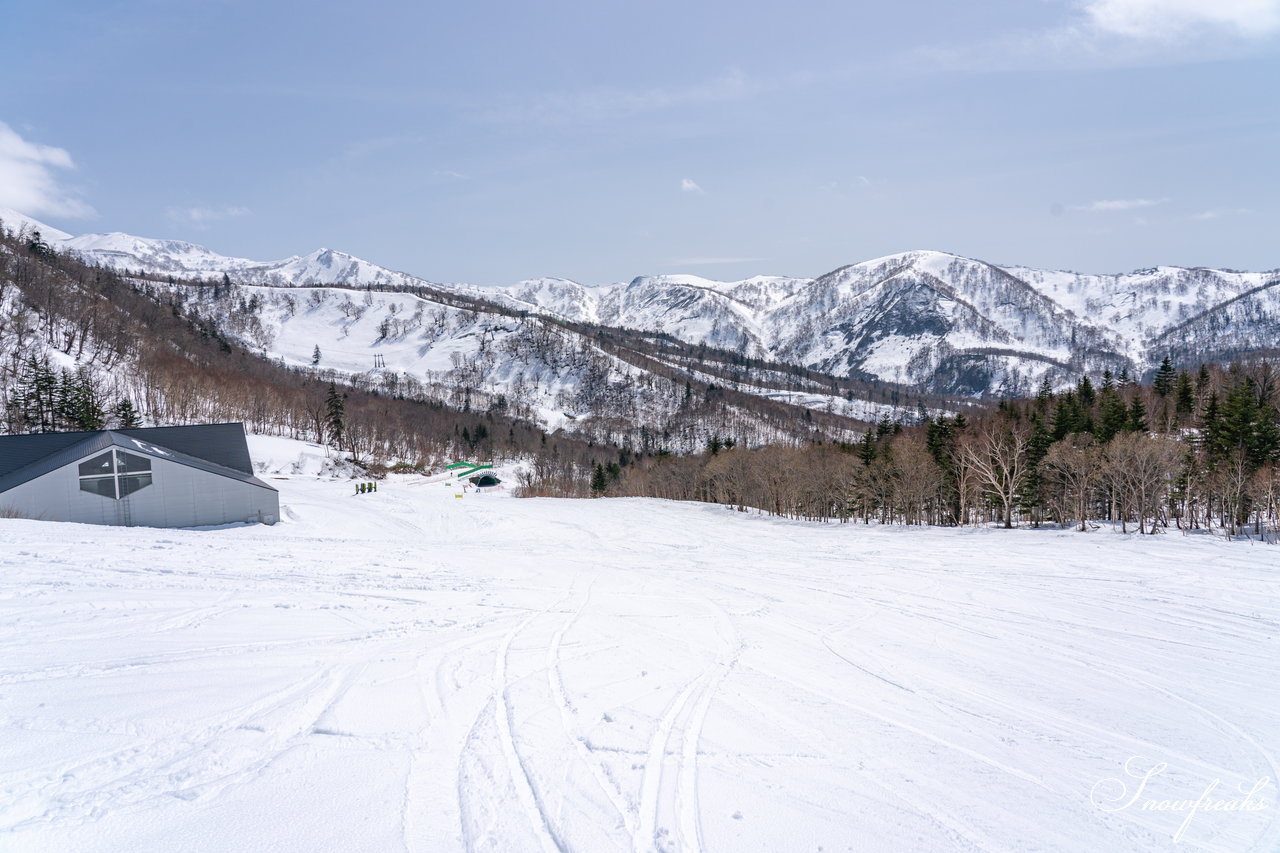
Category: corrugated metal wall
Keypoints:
(179, 496)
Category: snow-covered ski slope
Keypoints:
(407, 670)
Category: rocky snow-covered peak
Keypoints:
(560, 296)
(327, 266)
(944, 321)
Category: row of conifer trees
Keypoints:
(44, 399)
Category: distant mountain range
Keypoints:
(941, 322)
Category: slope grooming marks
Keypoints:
(623, 674)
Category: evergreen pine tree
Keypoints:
(599, 480)
(1248, 426)
(315, 355)
(1044, 397)
(65, 417)
(1112, 416)
(1137, 417)
(1184, 394)
(34, 398)
(867, 448)
(940, 439)
(1032, 495)
(335, 416)
(1086, 393)
(1163, 384)
(126, 415)
(17, 407)
(79, 403)
(1067, 416)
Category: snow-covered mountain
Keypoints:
(939, 321)
(12, 220)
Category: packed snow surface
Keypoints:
(410, 670)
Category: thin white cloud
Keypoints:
(202, 216)
(29, 182)
(1119, 204)
(1119, 34)
(688, 186)
(597, 105)
(1172, 20)
(703, 261)
(450, 173)
(1219, 213)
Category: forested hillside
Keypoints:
(1194, 450)
(83, 346)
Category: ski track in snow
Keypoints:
(690, 826)
(533, 809)
(409, 671)
(655, 767)
(555, 681)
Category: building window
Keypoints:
(115, 474)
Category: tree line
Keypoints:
(1190, 450)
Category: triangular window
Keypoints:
(115, 474)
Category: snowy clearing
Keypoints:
(407, 670)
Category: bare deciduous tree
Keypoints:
(1077, 463)
(1140, 467)
(996, 454)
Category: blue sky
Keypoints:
(487, 142)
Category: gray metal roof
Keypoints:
(19, 451)
(216, 448)
(221, 444)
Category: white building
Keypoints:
(184, 476)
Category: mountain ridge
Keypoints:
(938, 320)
